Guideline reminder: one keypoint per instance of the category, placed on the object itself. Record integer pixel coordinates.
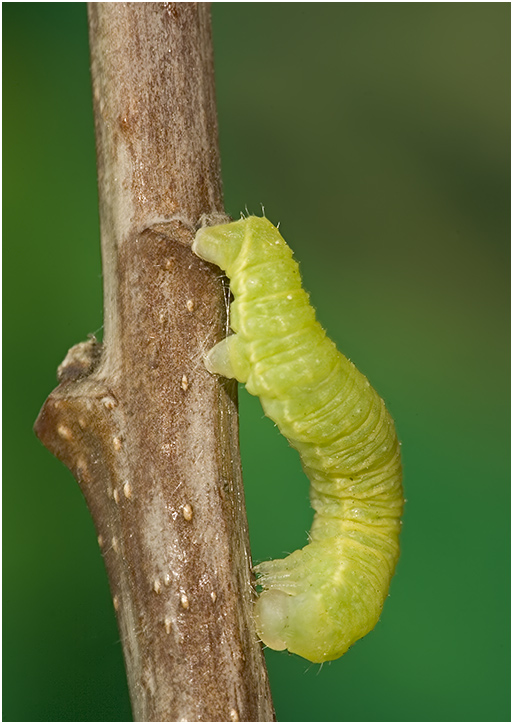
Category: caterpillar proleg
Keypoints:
(319, 600)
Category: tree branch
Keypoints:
(150, 436)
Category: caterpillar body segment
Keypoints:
(319, 600)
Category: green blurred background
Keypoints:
(377, 134)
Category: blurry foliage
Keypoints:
(378, 135)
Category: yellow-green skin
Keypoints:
(319, 600)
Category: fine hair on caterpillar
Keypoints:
(317, 601)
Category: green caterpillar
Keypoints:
(319, 600)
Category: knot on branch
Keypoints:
(81, 360)
(78, 422)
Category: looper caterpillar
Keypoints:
(319, 600)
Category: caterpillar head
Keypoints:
(223, 244)
(220, 245)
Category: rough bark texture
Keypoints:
(151, 437)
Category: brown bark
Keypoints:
(150, 436)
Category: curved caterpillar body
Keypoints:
(319, 600)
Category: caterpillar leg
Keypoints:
(227, 358)
(271, 614)
(316, 601)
